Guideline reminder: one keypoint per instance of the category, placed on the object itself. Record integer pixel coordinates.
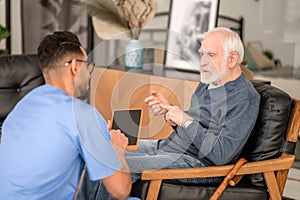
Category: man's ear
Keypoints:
(233, 59)
(74, 68)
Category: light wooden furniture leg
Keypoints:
(281, 178)
(153, 190)
(272, 185)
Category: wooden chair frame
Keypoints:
(275, 171)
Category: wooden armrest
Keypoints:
(267, 167)
(281, 163)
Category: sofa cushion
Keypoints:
(19, 74)
(170, 191)
(268, 134)
(271, 125)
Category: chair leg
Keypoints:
(153, 190)
(80, 183)
(281, 177)
(272, 185)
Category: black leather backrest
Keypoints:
(19, 74)
(268, 134)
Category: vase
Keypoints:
(134, 54)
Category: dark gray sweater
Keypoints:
(223, 120)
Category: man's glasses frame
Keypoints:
(90, 65)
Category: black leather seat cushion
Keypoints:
(264, 143)
(19, 74)
(171, 191)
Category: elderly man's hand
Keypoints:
(154, 101)
(175, 116)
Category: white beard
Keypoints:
(212, 75)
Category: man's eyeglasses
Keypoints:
(90, 65)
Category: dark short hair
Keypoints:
(55, 47)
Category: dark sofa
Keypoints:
(19, 74)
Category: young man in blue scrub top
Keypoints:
(51, 134)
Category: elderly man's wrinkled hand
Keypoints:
(175, 116)
(154, 102)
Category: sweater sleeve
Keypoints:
(229, 128)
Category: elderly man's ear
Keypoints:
(233, 59)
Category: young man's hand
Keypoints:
(118, 139)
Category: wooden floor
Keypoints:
(292, 188)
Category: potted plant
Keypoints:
(122, 18)
(4, 33)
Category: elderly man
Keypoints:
(223, 111)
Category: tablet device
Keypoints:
(129, 122)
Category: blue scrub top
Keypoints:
(46, 140)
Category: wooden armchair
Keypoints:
(269, 154)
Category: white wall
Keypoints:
(265, 20)
(16, 42)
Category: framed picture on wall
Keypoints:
(41, 17)
(189, 20)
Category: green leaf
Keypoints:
(4, 33)
(3, 51)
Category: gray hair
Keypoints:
(231, 42)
